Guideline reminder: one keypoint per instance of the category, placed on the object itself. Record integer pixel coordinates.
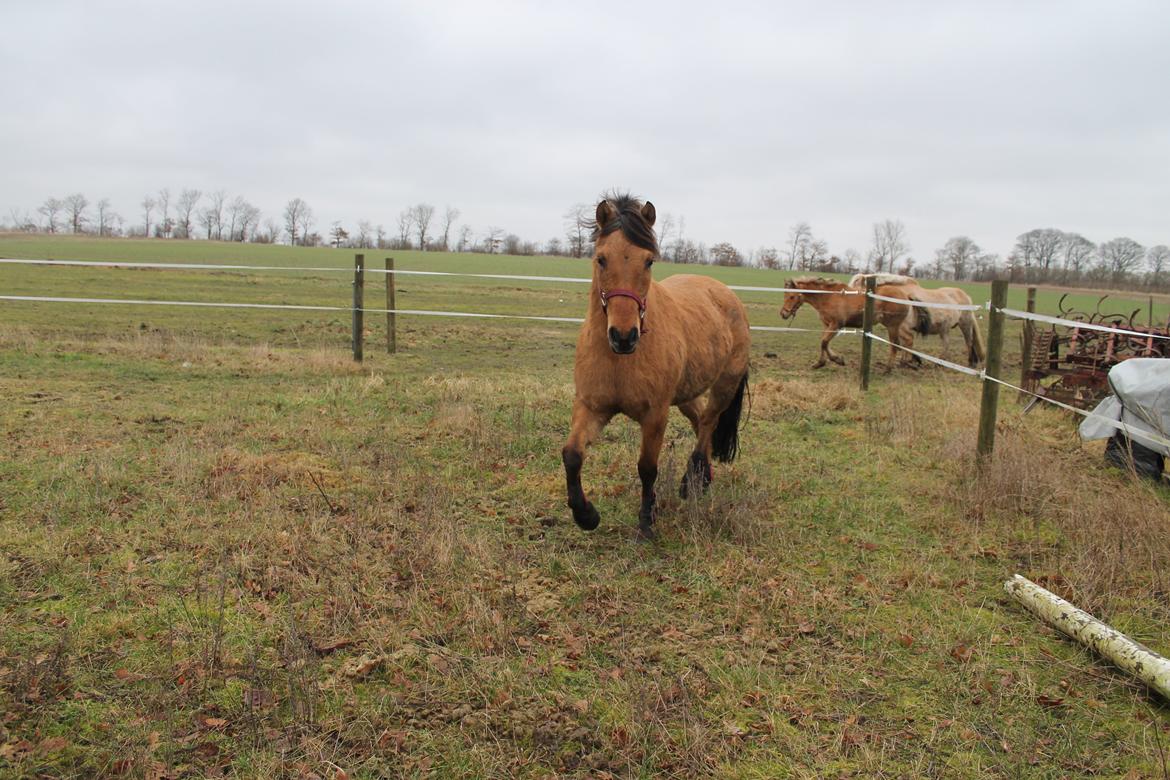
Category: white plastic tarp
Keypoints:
(1141, 400)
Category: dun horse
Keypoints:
(646, 346)
(938, 322)
(840, 305)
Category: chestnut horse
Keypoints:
(646, 346)
(840, 305)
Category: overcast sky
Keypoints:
(977, 118)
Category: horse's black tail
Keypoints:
(922, 320)
(725, 440)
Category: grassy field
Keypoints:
(225, 549)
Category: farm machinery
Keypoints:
(1071, 364)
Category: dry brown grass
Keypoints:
(1095, 533)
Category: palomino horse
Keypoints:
(648, 345)
(938, 322)
(840, 305)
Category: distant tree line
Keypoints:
(1043, 255)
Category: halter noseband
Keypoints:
(633, 296)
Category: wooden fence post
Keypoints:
(1026, 348)
(866, 328)
(359, 285)
(391, 295)
(990, 402)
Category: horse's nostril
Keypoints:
(632, 336)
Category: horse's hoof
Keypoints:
(645, 534)
(839, 361)
(818, 365)
(588, 519)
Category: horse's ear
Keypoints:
(649, 214)
(604, 213)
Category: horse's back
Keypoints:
(694, 292)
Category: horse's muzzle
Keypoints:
(623, 344)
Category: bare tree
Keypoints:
(249, 222)
(889, 244)
(148, 204)
(49, 210)
(492, 239)
(578, 226)
(1121, 256)
(105, 216)
(213, 215)
(338, 235)
(852, 261)
(364, 230)
(959, 255)
(405, 224)
(512, 244)
(1157, 260)
(1078, 252)
(165, 226)
(235, 216)
(554, 247)
(768, 257)
(465, 238)
(271, 231)
(449, 216)
(422, 213)
(799, 235)
(380, 232)
(294, 212)
(1038, 249)
(75, 206)
(664, 227)
(308, 238)
(188, 199)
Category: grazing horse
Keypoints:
(938, 322)
(646, 346)
(841, 305)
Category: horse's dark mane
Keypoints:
(628, 218)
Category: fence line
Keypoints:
(1031, 315)
(365, 309)
(940, 361)
(395, 271)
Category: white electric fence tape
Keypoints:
(1031, 315)
(369, 270)
(927, 304)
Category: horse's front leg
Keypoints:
(826, 337)
(585, 426)
(653, 431)
(833, 356)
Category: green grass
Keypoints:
(224, 548)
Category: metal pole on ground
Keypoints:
(989, 404)
(391, 294)
(866, 328)
(359, 284)
(1026, 348)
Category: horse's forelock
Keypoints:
(627, 217)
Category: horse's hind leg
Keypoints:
(653, 430)
(832, 355)
(699, 466)
(585, 427)
(698, 473)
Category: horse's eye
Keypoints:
(601, 262)
(650, 262)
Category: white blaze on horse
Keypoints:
(933, 321)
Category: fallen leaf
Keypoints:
(905, 640)
(962, 653)
(214, 723)
(332, 645)
(1044, 700)
(806, 628)
(52, 744)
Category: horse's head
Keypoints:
(792, 301)
(625, 249)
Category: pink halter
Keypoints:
(633, 296)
